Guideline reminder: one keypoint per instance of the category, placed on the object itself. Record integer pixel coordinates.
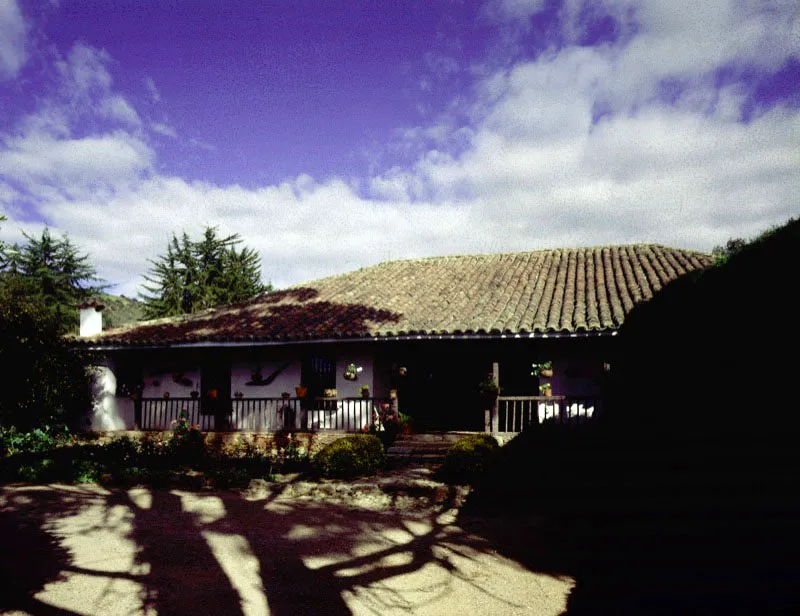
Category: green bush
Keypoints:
(469, 458)
(13, 441)
(351, 456)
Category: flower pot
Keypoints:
(365, 394)
(301, 391)
(546, 372)
(547, 392)
(329, 393)
(166, 394)
(286, 395)
(194, 394)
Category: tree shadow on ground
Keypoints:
(32, 557)
(225, 553)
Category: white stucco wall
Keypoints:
(167, 384)
(109, 412)
(576, 377)
(286, 381)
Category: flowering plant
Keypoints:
(187, 441)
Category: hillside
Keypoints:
(120, 310)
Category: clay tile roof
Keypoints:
(547, 291)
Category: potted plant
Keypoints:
(364, 391)
(286, 395)
(544, 369)
(546, 389)
(238, 395)
(329, 393)
(488, 388)
(166, 395)
(406, 423)
(194, 394)
(301, 391)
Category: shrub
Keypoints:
(469, 458)
(351, 456)
(42, 439)
(187, 443)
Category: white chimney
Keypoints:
(91, 317)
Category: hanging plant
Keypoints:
(489, 388)
(544, 369)
(351, 372)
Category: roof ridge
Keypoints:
(487, 255)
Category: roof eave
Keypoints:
(373, 339)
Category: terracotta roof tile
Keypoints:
(565, 290)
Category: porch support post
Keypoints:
(492, 415)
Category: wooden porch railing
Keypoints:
(159, 413)
(347, 414)
(266, 414)
(517, 413)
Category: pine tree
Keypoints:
(194, 276)
(52, 273)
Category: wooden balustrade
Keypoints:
(266, 414)
(518, 413)
(160, 413)
(346, 414)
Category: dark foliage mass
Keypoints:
(42, 380)
(196, 275)
(469, 458)
(684, 499)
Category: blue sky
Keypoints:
(334, 135)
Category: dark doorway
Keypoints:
(440, 391)
(216, 391)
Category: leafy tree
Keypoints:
(43, 380)
(723, 253)
(52, 273)
(196, 275)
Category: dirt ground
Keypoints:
(276, 549)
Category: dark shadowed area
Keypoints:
(684, 499)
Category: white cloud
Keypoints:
(150, 85)
(59, 169)
(163, 128)
(12, 39)
(117, 108)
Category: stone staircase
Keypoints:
(426, 448)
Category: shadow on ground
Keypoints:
(97, 551)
